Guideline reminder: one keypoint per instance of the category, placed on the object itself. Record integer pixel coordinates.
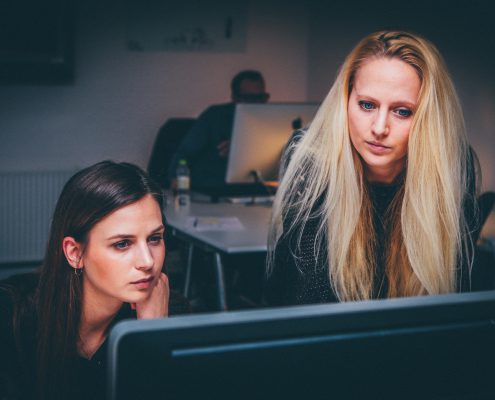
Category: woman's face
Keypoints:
(380, 113)
(124, 254)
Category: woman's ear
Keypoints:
(73, 252)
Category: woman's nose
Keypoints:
(144, 259)
(380, 124)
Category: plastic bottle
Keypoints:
(183, 183)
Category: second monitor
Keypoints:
(259, 135)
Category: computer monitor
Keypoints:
(411, 348)
(259, 134)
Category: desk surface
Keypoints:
(252, 238)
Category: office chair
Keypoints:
(486, 202)
(166, 143)
(484, 278)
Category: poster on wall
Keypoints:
(187, 26)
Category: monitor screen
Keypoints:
(419, 348)
(259, 134)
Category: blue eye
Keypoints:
(155, 239)
(366, 105)
(404, 112)
(123, 244)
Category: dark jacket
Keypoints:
(199, 147)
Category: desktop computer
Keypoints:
(427, 347)
(260, 133)
(259, 136)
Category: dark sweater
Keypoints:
(298, 277)
(18, 350)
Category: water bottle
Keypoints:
(183, 183)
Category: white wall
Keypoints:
(120, 98)
(464, 34)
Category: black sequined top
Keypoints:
(301, 277)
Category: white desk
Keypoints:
(252, 238)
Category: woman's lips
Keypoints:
(143, 283)
(377, 148)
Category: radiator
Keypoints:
(27, 202)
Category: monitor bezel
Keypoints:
(206, 332)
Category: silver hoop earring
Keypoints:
(78, 271)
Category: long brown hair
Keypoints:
(87, 198)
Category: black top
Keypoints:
(199, 147)
(301, 277)
(17, 352)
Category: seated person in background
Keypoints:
(378, 197)
(206, 145)
(103, 263)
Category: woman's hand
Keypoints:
(156, 305)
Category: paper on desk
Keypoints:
(202, 224)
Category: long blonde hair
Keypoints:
(325, 178)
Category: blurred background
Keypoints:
(92, 80)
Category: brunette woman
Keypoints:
(103, 263)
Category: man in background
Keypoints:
(206, 145)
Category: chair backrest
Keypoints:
(486, 202)
(166, 143)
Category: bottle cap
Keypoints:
(183, 162)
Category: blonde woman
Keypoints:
(378, 195)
